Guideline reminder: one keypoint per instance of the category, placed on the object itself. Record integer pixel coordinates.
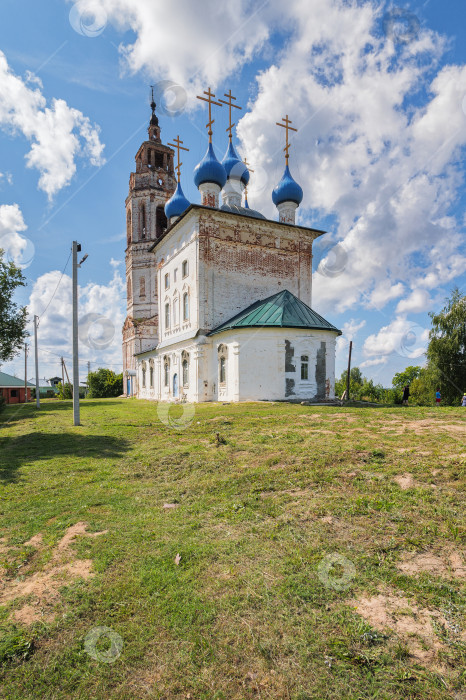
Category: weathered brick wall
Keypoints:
(242, 260)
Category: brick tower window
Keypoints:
(128, 227)
(143, 220)
(160, 221)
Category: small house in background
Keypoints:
(54, 382)
(46, 389)
(12, 389)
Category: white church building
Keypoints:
(219, 298)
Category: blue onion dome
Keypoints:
(210, 170)
(287, 190)
(177, 204)
(234, 166)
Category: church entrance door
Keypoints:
(175, 386)
(128, 387)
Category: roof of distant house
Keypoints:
(6, 381)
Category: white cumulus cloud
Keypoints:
(101, 316)
(57, 132)
(401, 337)
(16, 246)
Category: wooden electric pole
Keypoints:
(349, 372)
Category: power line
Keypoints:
(56, 288)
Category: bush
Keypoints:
(64, 391)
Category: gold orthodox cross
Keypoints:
(287, 128)
(211, 102)
(246, 187)
(230, 105)
(179, 148)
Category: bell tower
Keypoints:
(150, 186)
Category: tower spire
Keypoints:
(154, 129)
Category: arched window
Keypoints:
(142, 286)
(176, 303)
(128, 288)
(305, 367)
(128, 227)
(222, 364)
(223, 370)
(184, 268)
(166, 371)
(185, 307)
(143, 374)
(151, 374)
(167, 317)
(160, 221)
(143, 220)
(185, 367)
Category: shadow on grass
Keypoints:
(21, 411)
(32, 447)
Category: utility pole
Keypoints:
(76, 248)
(36, 318)
(25, 372)
(62, 361)
(349, 371)
(88, 373)
(67, 377)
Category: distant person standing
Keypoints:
(406, 395)
(463, 400)
(438, 397)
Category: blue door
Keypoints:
(128, 386)
(175, 386)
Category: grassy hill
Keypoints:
(254, 551)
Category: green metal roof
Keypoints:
(8, 380)
(282, 310)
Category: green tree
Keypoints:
(104, 383)
(401, 379)
(422, 389)
(361, 388)
(13, 318)
(64, 391)
(446, 353)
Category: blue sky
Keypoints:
(378, 92)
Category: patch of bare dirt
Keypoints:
(412, 624)
(43, 586)
(413, 564)
(35, 541)
(420, 427)
(329, 519)
(29, 614)
(405, 481)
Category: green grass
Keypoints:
(245, 614)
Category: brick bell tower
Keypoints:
(150, 187)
